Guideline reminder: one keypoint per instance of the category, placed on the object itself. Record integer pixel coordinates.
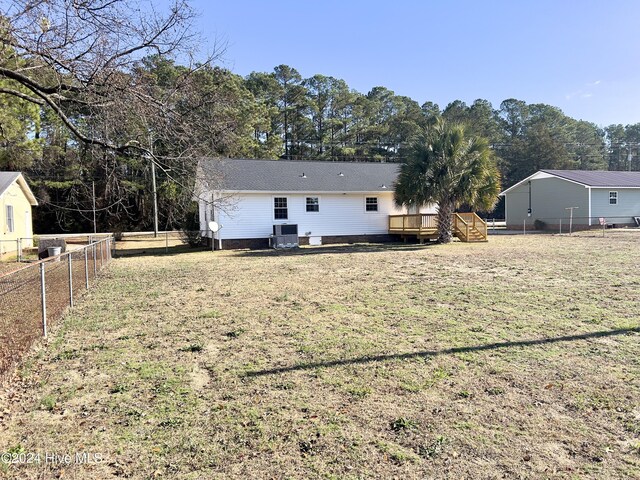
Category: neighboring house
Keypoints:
(600, 196)
(16, 200)
(330, 202)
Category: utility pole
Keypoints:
(155, 198)
(153, 185)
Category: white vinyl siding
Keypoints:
(340, 214)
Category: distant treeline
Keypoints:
(276, 114)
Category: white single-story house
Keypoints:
(591, 197)
(16, 200)
(324, 202)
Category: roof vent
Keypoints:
(383, 186)
(341, 174)
(303, 175)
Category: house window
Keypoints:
(10, 222)
(613, 198)
(280, 210)
(371, 204)
(313, 204)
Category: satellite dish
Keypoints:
(214, 227)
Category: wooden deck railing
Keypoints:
(468, 227)
(418, 221)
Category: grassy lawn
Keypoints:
(518, 358)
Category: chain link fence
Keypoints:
(573, 223)
(25, 249)
(37, 295)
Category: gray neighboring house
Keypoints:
(546, 195)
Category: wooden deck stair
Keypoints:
(468, 227)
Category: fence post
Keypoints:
(70, 280)
(86, 268)
(18, 253)
(166, 242)
(524, 227)
(560, 226)
(101, 254)
(95, 260)
(43, 298)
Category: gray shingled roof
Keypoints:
(287, 175)
(599, 178)
(6, 179)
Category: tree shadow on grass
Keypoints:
(158, 251)
(335, 249)
(447, 351)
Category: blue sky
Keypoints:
(581, 56)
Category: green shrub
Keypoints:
(539, 225)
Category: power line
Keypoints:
(47, 203)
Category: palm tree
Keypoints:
(450, 169)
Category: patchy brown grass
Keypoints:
(512, 359)
(9, 266)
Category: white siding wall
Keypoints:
(252, 215)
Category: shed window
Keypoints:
(10, 219)
(313, 204)
(613, 198)
(371, 204)
(280, 210)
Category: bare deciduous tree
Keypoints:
(93, 65)
(77, 58)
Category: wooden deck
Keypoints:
(468, 227)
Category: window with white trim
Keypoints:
(313, 204)
(10, 219)
(280, 208)
(371, 204)
(613, 198)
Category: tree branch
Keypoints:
(23, 96)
